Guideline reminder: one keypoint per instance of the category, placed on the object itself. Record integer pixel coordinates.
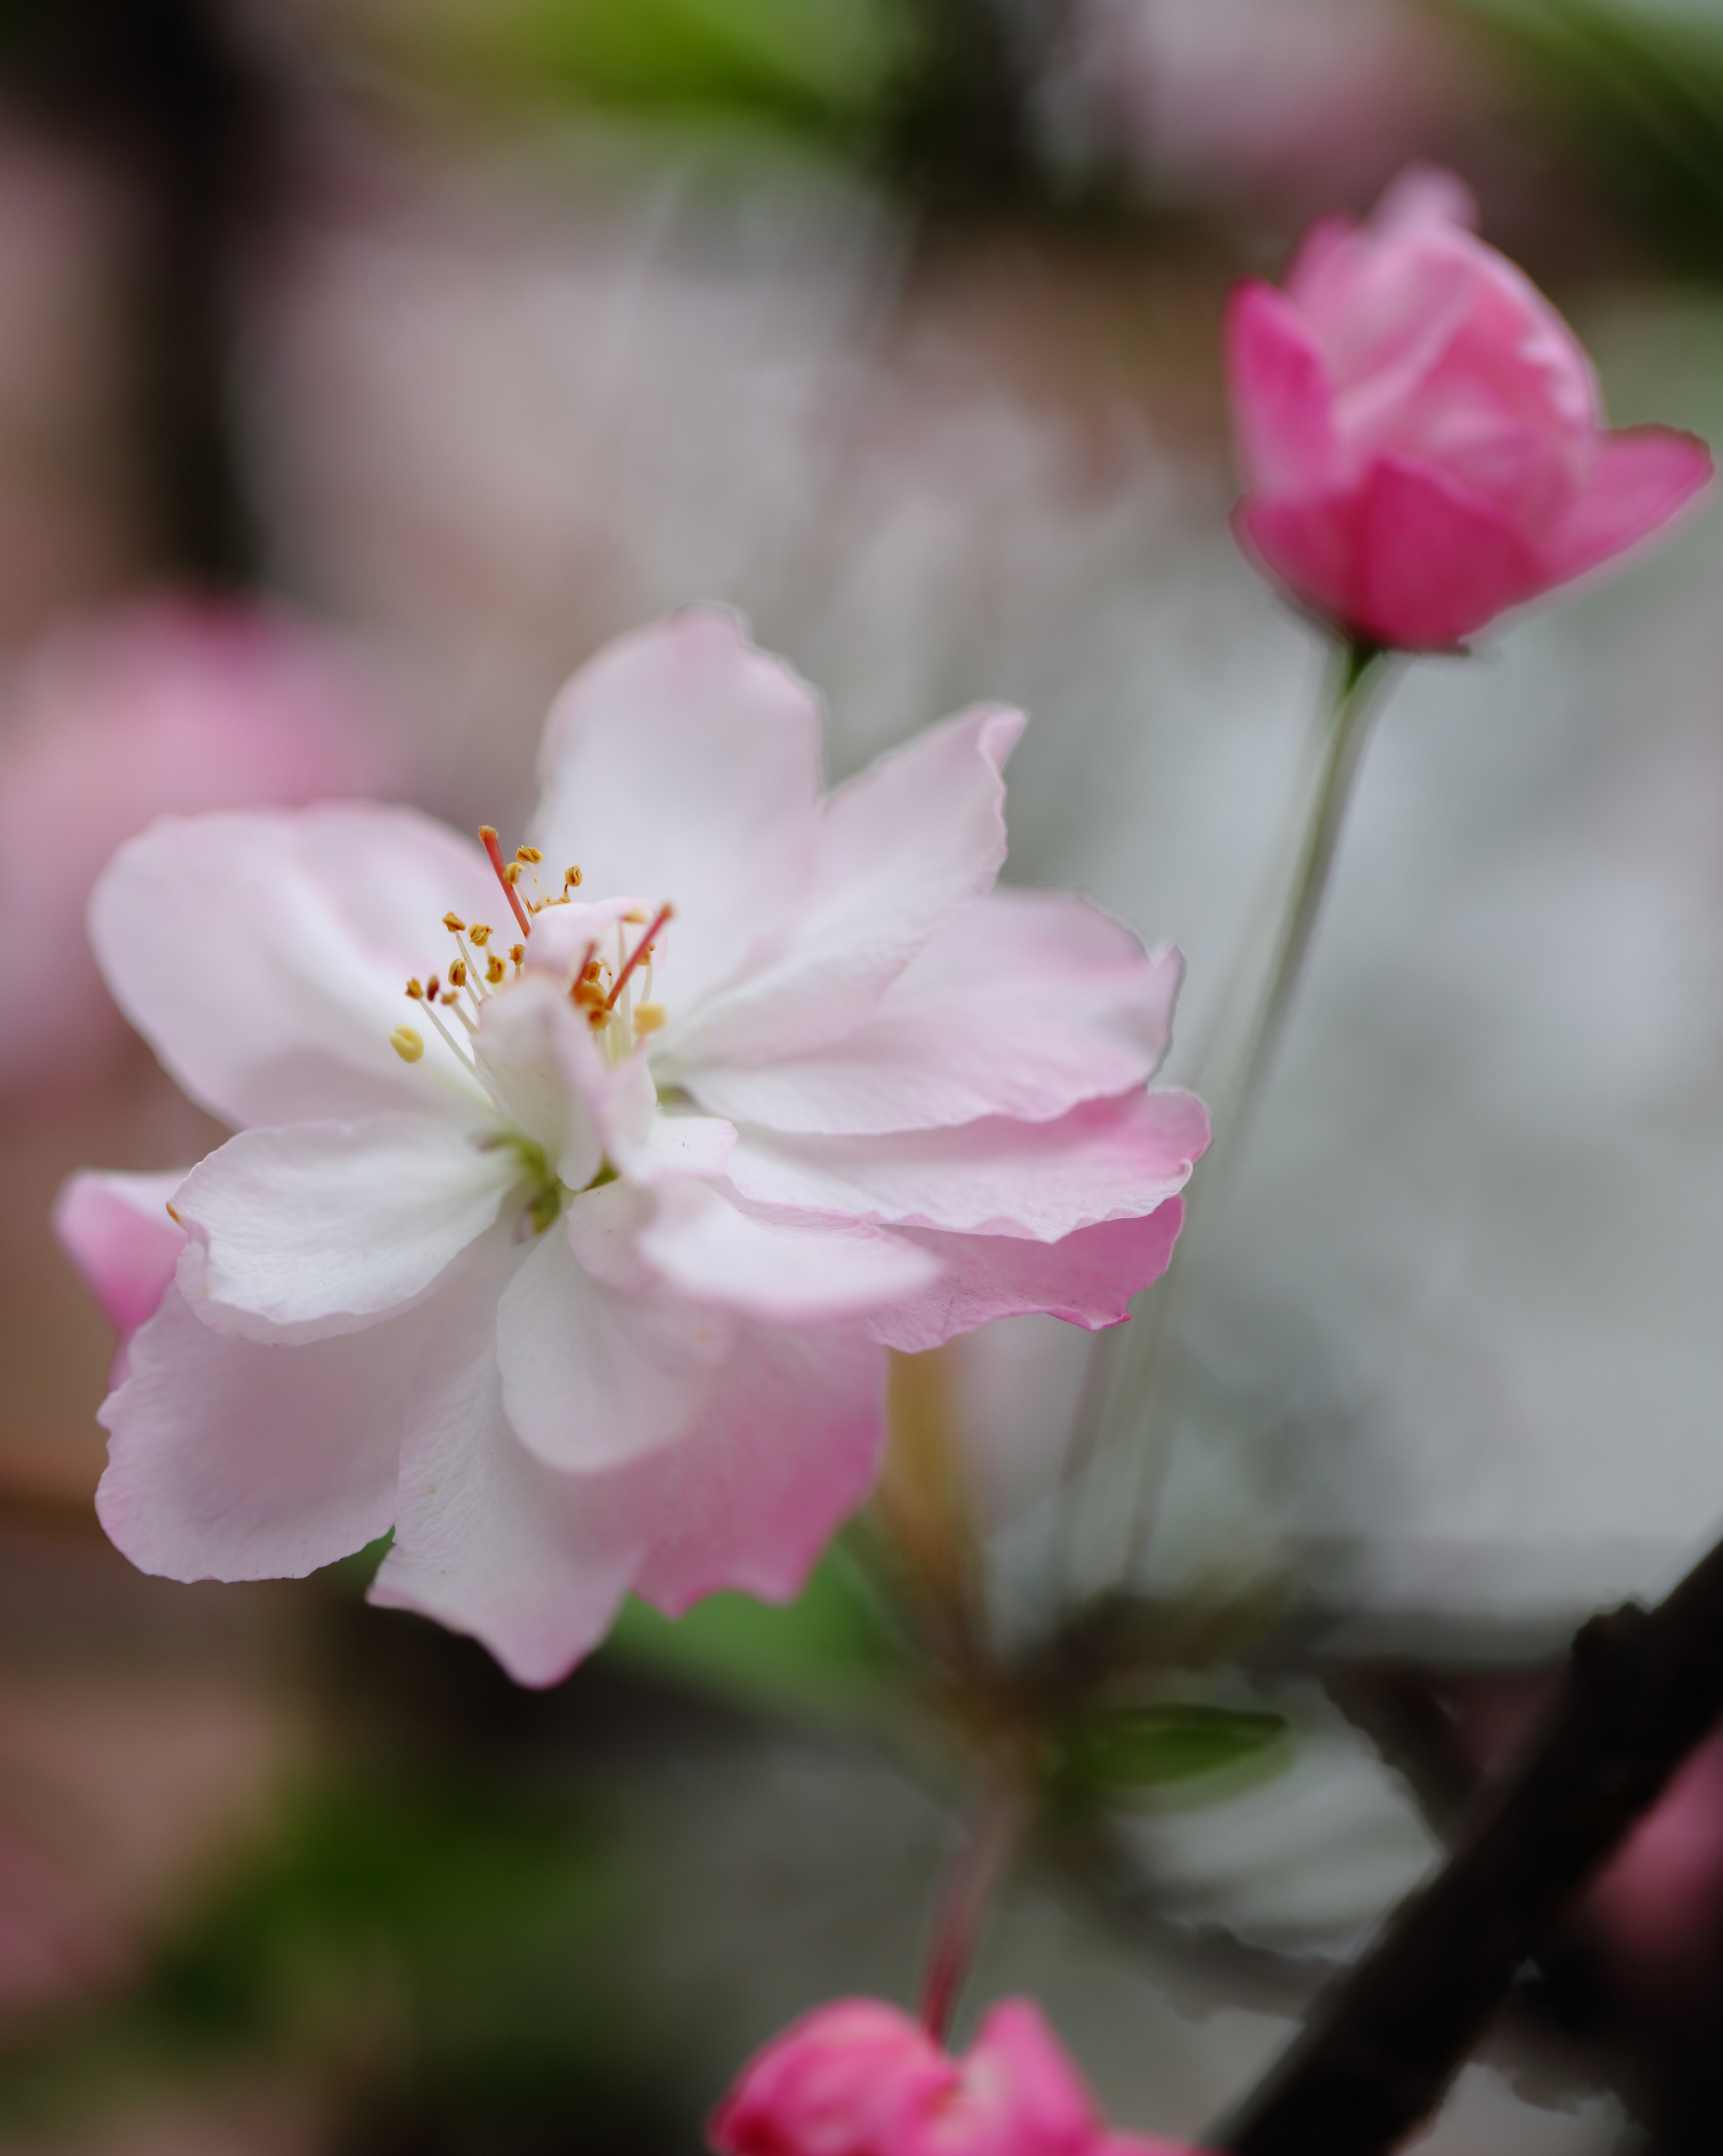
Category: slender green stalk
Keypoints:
(1132, 1397)
(1355, 705)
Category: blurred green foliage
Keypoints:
(832, 1652)
(811, 64)
(436, 1961)
(1195, 1750)
(1631, 95)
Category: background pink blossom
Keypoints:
(170, 704)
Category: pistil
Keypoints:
(488, 840)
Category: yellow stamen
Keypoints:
(453, 923)
(648, 1017)
(572, 877)
(480, 932)
(528, 853)
(495, 969)
(408, 1045)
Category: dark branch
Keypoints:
(1642, 1689)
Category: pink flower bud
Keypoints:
(1422, 434)
(860, 2078)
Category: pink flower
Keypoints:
(573, 1262)
(1422, 434)
(859, 2077)
(170, 704)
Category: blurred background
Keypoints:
(363, 365)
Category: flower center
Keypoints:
(610, 981)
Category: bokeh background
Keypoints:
(363, 365)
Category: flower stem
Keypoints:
(1133, 1393)
(988, 1841)
(1355, 704)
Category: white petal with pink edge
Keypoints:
(784, 1269)
(320, 1228)
(684, 763)
(265, 954)
(1087, 1278)
(787, 1447)
(1027, 1005)
(902, 850)
(488, 1539)
(593, 1377)
(230, 1460)
(1111, 1159)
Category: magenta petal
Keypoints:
(1308, 547)
(1410, 558)
(1281, 394)
(1642, 478)
(1436, 562)
(1087, 1278)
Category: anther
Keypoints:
(487, 840)
(433, 989)
(480, 932)
(528, 853)
(518, 953)
(572, 877)
(648, 1017)
(453, 923)
(408, 1045)
(458, 973)
(415, 988)
(495, 969)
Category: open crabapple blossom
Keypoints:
(1422, 434)
(859, 2077)
(575, 1194)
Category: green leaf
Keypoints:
(810, 62)
(830, 1651)
(1116, 1751)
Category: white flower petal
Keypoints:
(1107, 1160)
(592, 1377)
(902, 850)
(265, 954)
(683, 763)
(228, 1460)
(789, 1272)
(488, 1539)
(321, 1229)
(1027, 1005)
(539, 1062)
(675, 1146)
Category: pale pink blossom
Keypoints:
(1422, 435)
(170, 704)
(859, 2077)
(574, 1266)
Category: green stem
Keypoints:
(1355, 705)
(1133, 1393)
